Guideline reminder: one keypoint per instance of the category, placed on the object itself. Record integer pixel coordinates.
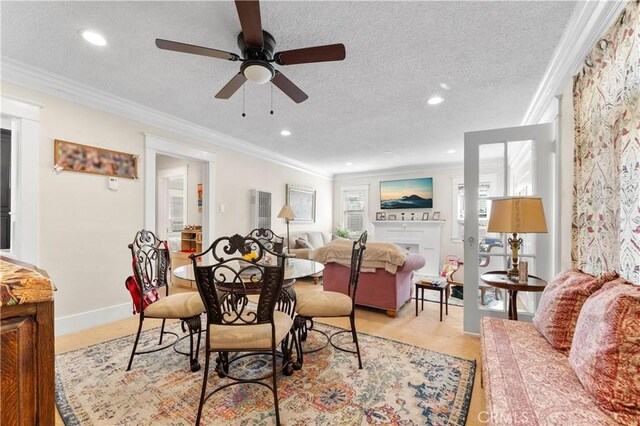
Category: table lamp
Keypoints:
(516, 215)
(286, 212)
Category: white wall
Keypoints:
(194, 177)
(84, 227)
(442, 201)
(240, 173)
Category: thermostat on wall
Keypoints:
(113, 184)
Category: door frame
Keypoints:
(544, 147)
(157, 145)
(25, 134)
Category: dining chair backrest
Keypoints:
(151, 260)
(144, 237)
(357, 251)
(268, 239)
(239, 268)
(151, 267)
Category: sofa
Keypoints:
(379, 288)
(527, 382)
(304, 242)
(575, 365)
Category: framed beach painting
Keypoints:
(302, 201)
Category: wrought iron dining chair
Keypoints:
(151, 269)
(233, 323)
(269, 239)
(330, 304)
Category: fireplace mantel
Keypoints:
(417, 236)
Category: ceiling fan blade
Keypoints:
(232, 86)
(250, 21)
(289, 89)
(195, 50)
(329, 52)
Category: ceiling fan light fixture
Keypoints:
(258, 72)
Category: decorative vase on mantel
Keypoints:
(412, 216)
(402, 215)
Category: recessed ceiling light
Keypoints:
(348, 164)
(445, 86)
(387, 152)
(451, 151)
(435, 100)
(93, 37)
(285, 133)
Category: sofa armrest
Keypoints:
(300, 253)
(412, 262)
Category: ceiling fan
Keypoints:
(257, 47)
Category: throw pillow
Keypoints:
(561, 302)
(450, 264)
(301, 243)
(606, 350)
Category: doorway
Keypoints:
(6, 173)
(155, 146)
(179, 203)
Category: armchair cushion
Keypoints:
(323, 304)
(257, 336)
(174, 306)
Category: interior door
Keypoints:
(497, 163)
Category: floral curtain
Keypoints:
(606, 216)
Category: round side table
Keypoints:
(499, 279)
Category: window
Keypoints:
(355, 201)
(172, 201)
(177, 200)
(487, 188)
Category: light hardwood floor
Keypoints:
(425, 331)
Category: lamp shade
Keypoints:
(517, 214)
(286, 212)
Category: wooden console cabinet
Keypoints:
(27, 375)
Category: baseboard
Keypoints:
(89, 319)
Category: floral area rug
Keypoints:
(399, 385)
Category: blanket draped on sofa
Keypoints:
(386, 256)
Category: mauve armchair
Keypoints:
(379, 289)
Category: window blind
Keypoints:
(354, 202)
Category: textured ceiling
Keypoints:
(492, 55)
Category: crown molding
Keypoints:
(589, 22)
(415, 168)
(52, 84)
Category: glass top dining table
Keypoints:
(294, 269)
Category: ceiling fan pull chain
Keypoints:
(243, 114)
(271, 99)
